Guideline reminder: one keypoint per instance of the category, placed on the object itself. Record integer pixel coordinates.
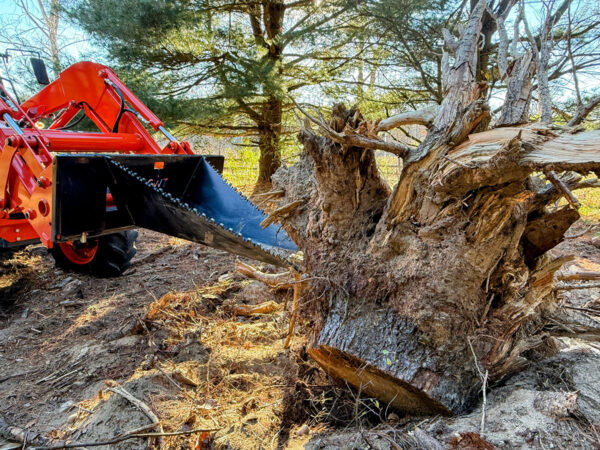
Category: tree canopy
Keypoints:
(234, 69)
(234, 64)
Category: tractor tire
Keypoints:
(107, 256)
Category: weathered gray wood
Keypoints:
(518, 93)
(583, 111)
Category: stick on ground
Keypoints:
(125, 437)
(141, 406)
(297, 291)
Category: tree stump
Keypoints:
(415, 292)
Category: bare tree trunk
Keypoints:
(411, 290)
(269, 135)
(269, 124)
(518, 92)
(52, 20)
(519, 79)
(545, 100)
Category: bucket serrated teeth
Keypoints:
(218, 228)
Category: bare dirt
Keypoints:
(63, 335)
(167, 332)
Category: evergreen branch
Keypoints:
(293, 33)
(298, 3)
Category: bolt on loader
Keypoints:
(82, 194)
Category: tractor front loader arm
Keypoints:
(66, 187)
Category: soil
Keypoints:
(167, 332)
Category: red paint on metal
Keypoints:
(26, 153)
(80, 254)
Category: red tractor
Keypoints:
(82, 193)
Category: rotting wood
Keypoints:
(504, 219)
(397, 279)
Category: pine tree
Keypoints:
(232, 65)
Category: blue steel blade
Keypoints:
(219, 201)
(209, 211)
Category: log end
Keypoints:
(373, 382)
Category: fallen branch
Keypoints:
(19, 434)
(568, 287)
(583, 111)
(579, 276)
(274, 280)
(284, 210)
(121, 438)
(135, 402)
(561, 186)
(139, 405)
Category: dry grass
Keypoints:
(238, 376)
(240, 367)
(590, 204)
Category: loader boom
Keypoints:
(61, 186)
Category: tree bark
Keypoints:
(518, 92)
(269, 133)
(397, 307)
(269, 126)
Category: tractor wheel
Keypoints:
(107, 256)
